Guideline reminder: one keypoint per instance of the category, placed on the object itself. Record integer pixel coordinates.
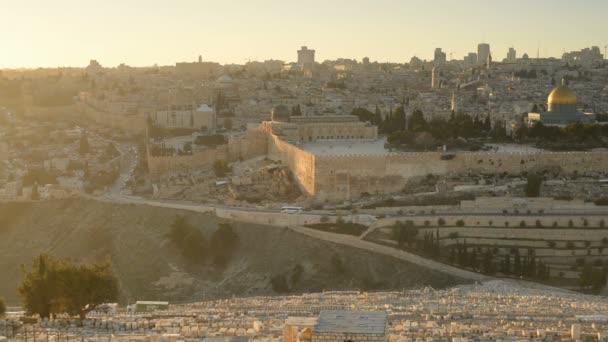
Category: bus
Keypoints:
(291, 210)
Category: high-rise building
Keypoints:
(511, 55)
(306, 56)
(440, 57)
(470, 59)
(483, 51)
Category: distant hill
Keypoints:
(150, 267)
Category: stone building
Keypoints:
(351, 326)
(561, 109)
(300, 129)
(299, 329)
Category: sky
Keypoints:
(51, 33)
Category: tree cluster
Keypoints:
(53, 286)
(592, 278)
(195, 247)
(533, 184)
(416, 131)
(575, 136)
(405, 233)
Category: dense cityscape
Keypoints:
(451, 198)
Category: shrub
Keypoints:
(279, 283)
(298, 270)
(337, 264)
(551, 244)
(570, 224)
(223, 243)
(188, 239)
(324, 219)
(602, 223)
(441, 221)
(570, 245)
(538, 224)
(427, 223)
(585, 223)
(522, 224)
(460, 223)
(221, 168)
(453, 235)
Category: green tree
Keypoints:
(517, 267)
(533, 185)
(84, 144)
(417, 122)
(39, 286)
(221, 168)
(279, 283)
(2, 307)
(378, 118)
(223, 243)
(86, 286)
(337, 264)
(488, 266)
(35, 194)
(405, 232)
(53, 286)
(188, 239)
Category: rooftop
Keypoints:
(341, 147)
(354, 322)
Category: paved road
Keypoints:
(347, 240)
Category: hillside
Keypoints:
(150, 267)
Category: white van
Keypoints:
(291, 210)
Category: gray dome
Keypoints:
(281, 113)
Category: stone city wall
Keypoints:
(250, 145)
(300, 162)
(340, 177)
(494, 223)
(132, 124)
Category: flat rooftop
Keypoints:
(339, 147)
(353, 322)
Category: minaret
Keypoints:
(434, 78)
(453, 103)
(489, 61)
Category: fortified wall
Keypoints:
(251, 144)
(340, 177)
(132, 124)
(300, 162)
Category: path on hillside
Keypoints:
(357, 242)
(343, 239)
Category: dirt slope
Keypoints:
(150, 267)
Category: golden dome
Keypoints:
(562, 96)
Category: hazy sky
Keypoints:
(144, 32)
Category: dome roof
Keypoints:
(562, 95)
(280, 113)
